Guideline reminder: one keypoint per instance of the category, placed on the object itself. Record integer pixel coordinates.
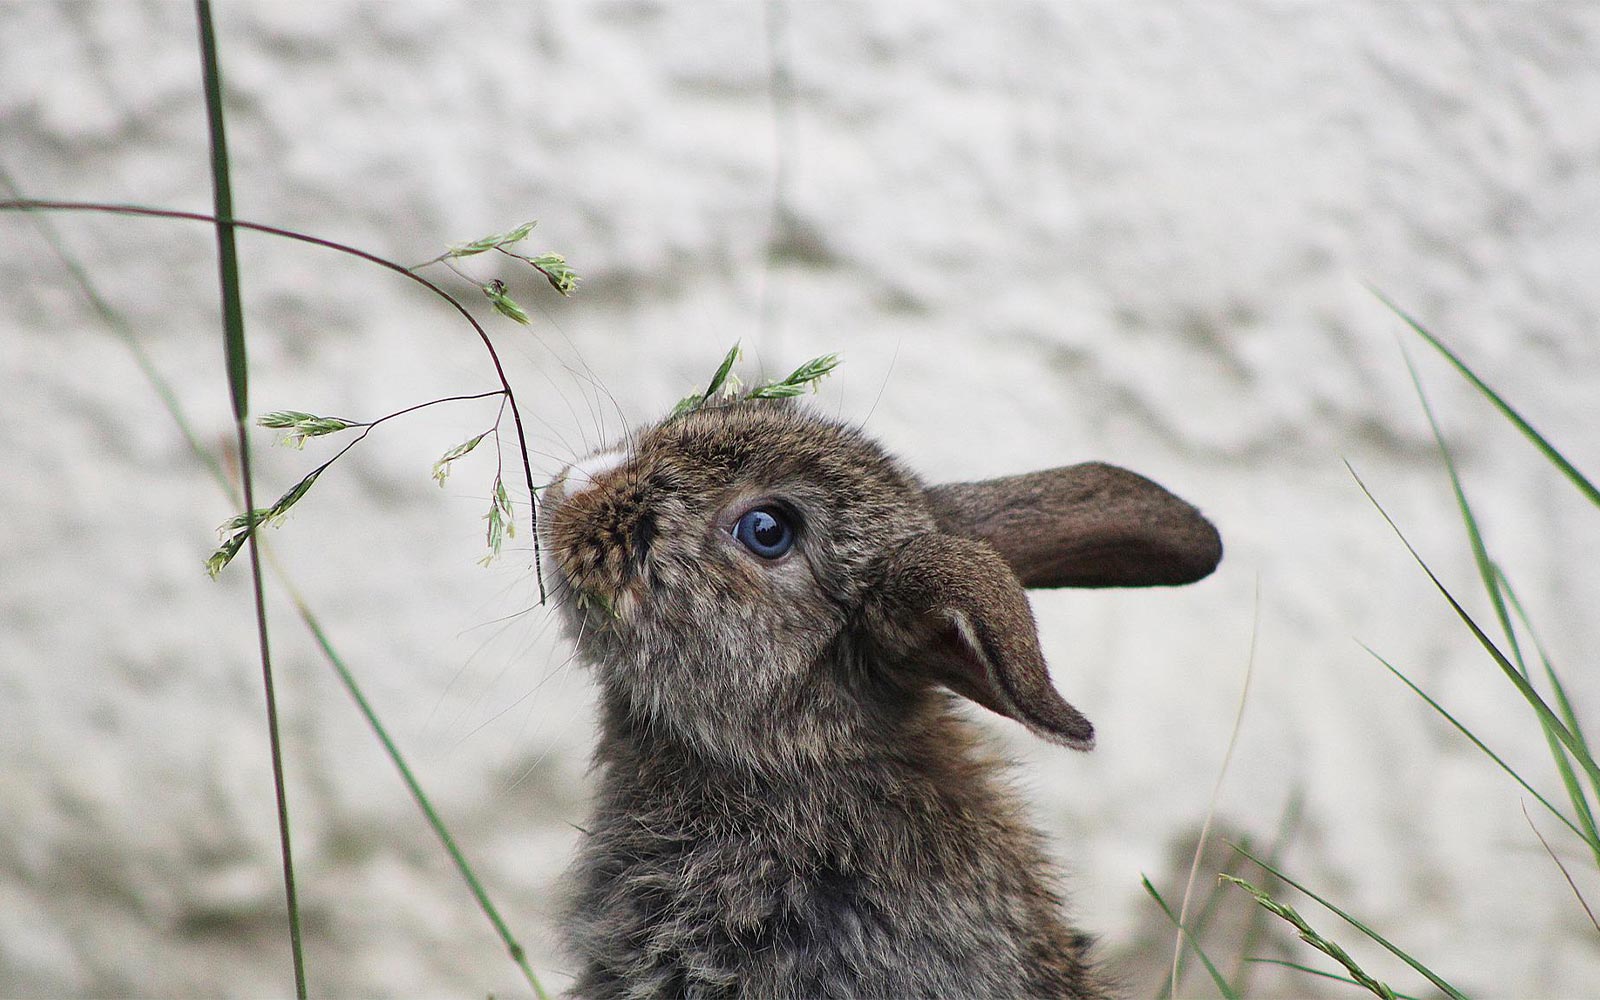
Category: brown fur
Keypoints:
(789, 805)
(1089, 525)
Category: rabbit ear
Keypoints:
(1090, 525)
(954, 608)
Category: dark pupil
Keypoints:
(766, 529)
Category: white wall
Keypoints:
(1038, 232)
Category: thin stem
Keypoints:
(433, 402)
(238, 368)
(119, 325)
(1564, 873)
(499, 455)
(483, 335)
(124, 331)
(1216, 790)
(518, 954)
(449, 262)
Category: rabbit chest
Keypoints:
(884, 878)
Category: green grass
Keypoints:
(1190, 933)
(237, 368)
(1551, 709)
(1331, 948)
(119, 325)
(1510, 642)
(239, 391)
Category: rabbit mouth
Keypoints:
(591, 609)
(594, 532)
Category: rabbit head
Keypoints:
(769, 587)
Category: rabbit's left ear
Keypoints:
(952, 607)
(1090, 525)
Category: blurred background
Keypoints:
(1039, 233)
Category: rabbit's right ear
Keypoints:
(1090, 525)
(951, 609)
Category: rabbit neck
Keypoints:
(928, 770)
(833, 716)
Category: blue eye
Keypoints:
(765, 531)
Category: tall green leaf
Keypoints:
(1496, 586)
(1579, 751)
(1216, 977)
(238, 387)
(1549, 451)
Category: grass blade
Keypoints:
(1558, 814)
(222, 199)
(1197, 926)
(1216, 977)
(1487, 571)
(1496, 586)
(518, 954)
(119, 325)
(1575, 792)
(238, 386)
(1308, 970)
(1579, 751)
(1426, 972)
(1549, 451)
(1216, 790)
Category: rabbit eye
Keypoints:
(765, 531)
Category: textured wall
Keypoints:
(1039, 232)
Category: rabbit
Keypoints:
(780, 618)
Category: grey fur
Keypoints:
(789, 805)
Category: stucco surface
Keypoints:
(1039, 233)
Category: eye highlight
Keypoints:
(766, 531)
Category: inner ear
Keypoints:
(953, 608)
(1090, 525)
